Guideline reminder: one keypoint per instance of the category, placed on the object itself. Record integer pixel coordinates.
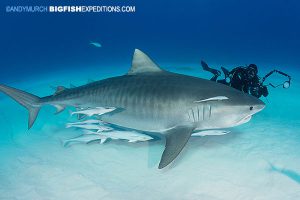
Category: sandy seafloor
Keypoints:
(237, 166)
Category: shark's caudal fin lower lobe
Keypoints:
(29, 101)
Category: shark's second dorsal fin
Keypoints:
(59, 89)
(141, 63)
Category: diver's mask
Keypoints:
(251, 71)
(251, 74)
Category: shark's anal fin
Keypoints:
(176, 139)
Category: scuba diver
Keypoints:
(245, 79)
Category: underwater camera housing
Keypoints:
(285, 84)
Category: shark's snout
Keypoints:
(255, 106)
(260, 105)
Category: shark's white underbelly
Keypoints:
(143, 123)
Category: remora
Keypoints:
(154, 100)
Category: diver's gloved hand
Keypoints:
(259, 91)
(255, 91)
(264, 91)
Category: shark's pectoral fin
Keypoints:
(176, 138)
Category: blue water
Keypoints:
(258, 160)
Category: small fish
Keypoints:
(131, 136)
(89, 121)
(96, 44)
(210, 132)
(90, 136)
(81, 139)
(94, 111)
(99, 128)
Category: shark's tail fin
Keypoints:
(29, 101)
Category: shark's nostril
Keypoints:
(251, 107)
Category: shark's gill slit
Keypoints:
(203, 112)
(193, 115)
(198, 113)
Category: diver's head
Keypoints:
(251, 71)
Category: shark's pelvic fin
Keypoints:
(29, 101)
(102, 141)
(176, 139)
(217, 98)
(59, 108)
(141, 63)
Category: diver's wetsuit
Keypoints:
(241, 81)
(241, 78)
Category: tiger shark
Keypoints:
(152, 99)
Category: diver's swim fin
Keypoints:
(211, 70)
(225, 71)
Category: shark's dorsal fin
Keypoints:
(141, 63)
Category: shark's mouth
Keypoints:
(245, 120)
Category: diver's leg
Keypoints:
(215, 72)
(214, 78)
(225, 71)
(223, 81)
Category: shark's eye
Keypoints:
(251, 107)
